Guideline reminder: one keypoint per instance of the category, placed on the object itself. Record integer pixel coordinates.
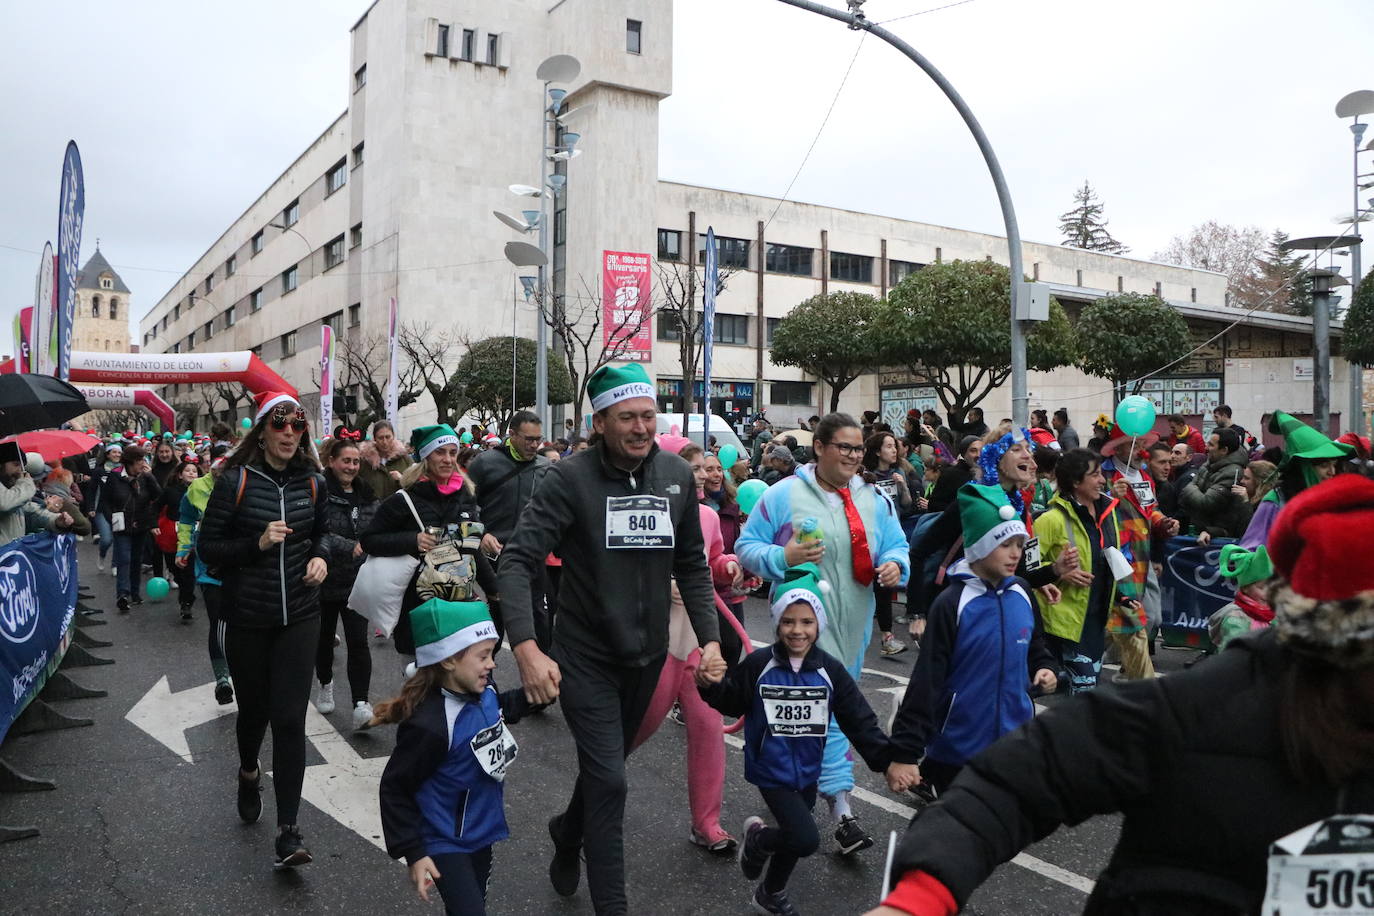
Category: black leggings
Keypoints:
(215, 642)
(463, 880)
(794, 838)
(271, 667)
(882, 607)
(185, 578)
(355, 638)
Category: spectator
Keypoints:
(1102, 428)
(1180, 431)
(1068, 436)
(1221, 414)
(778, 463)
(1209, 499)
(1310, 458)
(759, 442)
(19, 514)
(937, 425)
(955, 475)
(57, 488)
(1046, 459)
(383, 461)
(1040, 419)
(973, 424)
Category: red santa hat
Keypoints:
(267, 400)
(1323, 595)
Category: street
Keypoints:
(143, 819)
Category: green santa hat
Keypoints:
(801, 583)
(445, 628)
(1302, 441)
(1246, 567)
(613, 384)
(988, 518)
(426, 439)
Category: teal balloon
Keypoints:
(246, 423)
(1135, 415)
(728, 455)
(465, 438)
(750, 492)
(158, 589)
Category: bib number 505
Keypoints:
(1340, 888)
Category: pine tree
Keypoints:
(1084, 227)
(1280, 273)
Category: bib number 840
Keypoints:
(643, 522)
(1340, 888)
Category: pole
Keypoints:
(1020, 398)
(1321, 354)
(541, 343)
(1356, 382)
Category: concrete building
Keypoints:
(395, 199)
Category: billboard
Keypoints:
(626, 306)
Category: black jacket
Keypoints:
(347, 516)
(138, 498)
(1193, 762)
(612, 604)
(264, 588)
(504, 486)
(947, 486)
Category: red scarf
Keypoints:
(1254, 608)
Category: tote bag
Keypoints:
(382, 583)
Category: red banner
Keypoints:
(626, 306)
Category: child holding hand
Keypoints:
(442, 800)
(787, 693)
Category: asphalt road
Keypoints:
(134, 827)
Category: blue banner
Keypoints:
(71, 211)
(37, 601)
(708, 327)
(1192, 590)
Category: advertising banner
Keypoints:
(37, 600)
(393, 385)
(1192, 590)
(708, 327)
(43, 347)
(23, 340)
(108, 397)
(70, 213)
(326, 380)
(169, 368)
(625, 304)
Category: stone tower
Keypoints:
(103, 306)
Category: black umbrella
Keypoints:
(30, 401)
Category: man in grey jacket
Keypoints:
(623, 517)
(19, 514)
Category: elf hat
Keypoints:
(445, 628)
(267, 400)
(1116, 437)
(801, 583)
(988, 518)
(1246, 567)
(425, 439)
(1323, 596)
(613, 384)
(1302, 441)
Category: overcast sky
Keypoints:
(1177, 112)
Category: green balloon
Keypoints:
(750, 492)
(158, 589)
(465, 438)
(1135, 415)
(246, 423)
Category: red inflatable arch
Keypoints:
(105, 397)
(172, 368)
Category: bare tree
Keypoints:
(1231, 250)
(117, 421)
(366, 364)
(435, 355)
(588, 339)
(680, 288)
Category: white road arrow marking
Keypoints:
(166, 715)
(345, 786)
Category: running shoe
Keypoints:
(136, 601)
(775, 904)
(291, 849)
(362, 715)
(250, 797)
(100, 564)
(122, 602)
(186, 615)
(172, 582)
(850, 836)
(722, 844)
(224, 691)
(565, 870)
(751, 858)
(892, 646)
(324, 701)
(113, 572)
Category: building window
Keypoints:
(114, 307)
(469, 49)
(493, 48)
(668, 327)
(209, 329)
(163, 326)
(288, 344)
(335, 177)
(292, 214)
(106, 283)
(669, 245)
(441, 49)
(176, 347)
(355, 314)
(255, 300)
(209, 282)
(796, 394)
(229, 316)
(729, 252)
(788, 259)
(334, 322)
(334, 252)
(633, 35)
(231, 264)
(355, 236)
(897, 271)
(146, 337)
(1192, 294)
(731, 329)
(856, 268)
(256, 246)
(357, 155)
(288, 279)
(360, 78)
(95, 306)
(772, 326)
(1078, 278)
(176, 311)
(191, 341)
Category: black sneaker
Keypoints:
(186, 615)
(566, 868)
(291, 849)
(137, 601)
(850, 836)
(250, 797)
(224, 691)
(123, 604)
(751, 858)
(775, 904)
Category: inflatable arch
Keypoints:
(102, 397)
(177, 368)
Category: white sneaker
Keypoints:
(113, 571)
(324, 702)
(362, 715)
(171, 582)
(100, 564)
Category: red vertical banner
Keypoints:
(626, 306)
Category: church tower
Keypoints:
(103, 306)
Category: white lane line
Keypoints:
(1025, 860)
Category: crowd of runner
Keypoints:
(615, 569)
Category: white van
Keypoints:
(719, 427)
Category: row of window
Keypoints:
(114, 307)
(287, 341)
(467, 46)
(783, 259)
(728, 329)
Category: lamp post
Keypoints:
(1353, 105)
(854, 18)
(1322, 282)
(309, 248)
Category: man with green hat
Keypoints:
(1308, 459)
(623, 516)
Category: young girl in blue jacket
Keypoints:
(787, 693)
(442, 800)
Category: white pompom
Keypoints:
(1006, 513)
(823, 586)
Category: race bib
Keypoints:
(638, 522)
(1144, 493)
(889, 487)
(795, 712)
(495, 749)
(1324, 868)
(1032, 554)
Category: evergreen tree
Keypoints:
(1280, 273)
(1084, 227)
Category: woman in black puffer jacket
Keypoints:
(350, 509)
(263, 535)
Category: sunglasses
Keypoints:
(285, 415)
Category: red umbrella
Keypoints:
(54, 444)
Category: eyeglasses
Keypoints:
(285, 415)
(531, 440)
(846, 448)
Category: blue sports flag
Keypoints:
(71, 210)
(708, 332)
(37, 601)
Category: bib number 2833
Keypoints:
(795, 712)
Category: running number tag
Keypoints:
(795, 712)
(495, 749)
(1324, 868)
(1032, 554)
(638, 522)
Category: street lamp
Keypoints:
(308, 247)
(1322, 282)
(1353, 105)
